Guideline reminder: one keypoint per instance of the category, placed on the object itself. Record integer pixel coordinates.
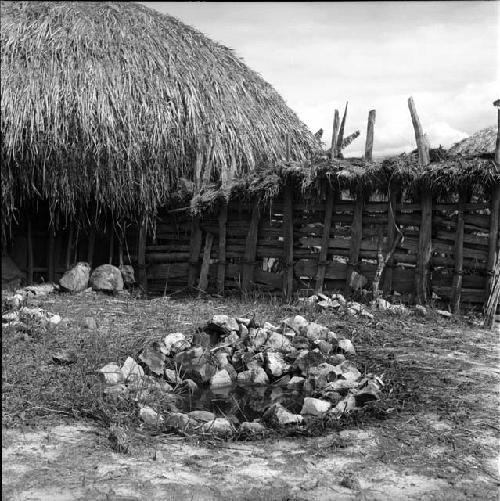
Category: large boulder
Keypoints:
(76, 279)
(106, 278)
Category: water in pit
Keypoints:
(246, 403)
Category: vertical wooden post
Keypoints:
(209, 240)
(221, 268)
(142, 278)
(336, 123)
(67, 261)
(194, 251)
(250, 248)
(288, 241)
(51, 271)
(422, 145)
(493, 236)
(356, 238)
(425, 235)
(394, 198)
(456, 287)
(325, 239)
(340, 138)
(90, 253)
(369, 135)
(424, 248)
(29, 237)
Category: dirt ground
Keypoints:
(441, 445)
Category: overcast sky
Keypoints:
(375, 55)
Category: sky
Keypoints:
(318, 55)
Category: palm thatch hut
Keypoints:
(111, 111)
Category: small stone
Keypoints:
(256, 375)
(179, 421)
(275, 363)
(271, 327)
(243, 332)
(170, 341)
(307, 360)
(278, 342)
(277, 415)
(90, 323)
(339, 297)
(252, 428)
(64, 357)
(316, 331)
(298, 324)
(324, 346)
(106, 278)
(326, 304)
(232, 340)
(224, 323)
(346, 346)
(218, 426)
(111, 374)
(345, 405)
(296, 381)
(366, 314)
(420, 310)
(315, 406)
(258, 337)
(201, 339)
(368, 391)
(340, 385)
(131, 370)
(243, 321)
(443, 313)
(150, 416)
(220, 379)
(380, 304)
(54, 320)
(202, 416)
(153, 358)
(76, 279)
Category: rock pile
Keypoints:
(230, 352)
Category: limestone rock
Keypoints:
(296, 381)
(277, 415)
(309, 359)
(346, 346)
(324, 346)
(218, 426)
(172, 376)
(173, 343)
(224, 323)
(76, 279)
(179, 421)
(298, 324)
(131, 370)
(316, 331)
(111, 374)
(258, 337)
(443, 313)
(278, 342)
(220, 379)
(380, 304)
(106, 278)
(420, 310)
(202, 416)
(315, 406)
(275, 363)
(256, 375)
(340, 298)
(252, 428)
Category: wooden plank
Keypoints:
(456, 287)
(369, 135)
(203, 283)
(356, 238)
(250, 248)
(288, 242)
(194, 254)
(493, 236)
(422, 144)
(29, 239)
(394, 195)
(221, 270)
(424, 249)
(336, 124)
(167, 257)
(323, 254)
(142, 277)
(51, 274)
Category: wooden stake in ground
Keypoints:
(369, 135)
(422, 145)
(209, 240)
(288, 241)
(325, 239)
(51, 269)
(356, 238)
(141, 255)
(382, 260)
(336, 123)
(250, 248)
(340, 138)
(221, 268)
(194, 251)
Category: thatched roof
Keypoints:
(479, 143)
(115, 103)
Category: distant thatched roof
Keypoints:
(479, 143)
(115, 103)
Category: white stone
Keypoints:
(296, 381)
(366, 314)
(380, 304)
(106, 278)
(443, 313)
(346, 346)
(278, 342)
(150, 416)
(225, 322)
(256, 375)
(315, 406)
(252, 427)
(220, 379)
(170, 340)
(271, 327)
(277, 414)
(172, 376)
(218, 426)
(55, 319)
(203, 416)
(275, 363)
(258, 337)
(111, 374)
(131, 370)
(76, 279)
(340, 298)
(243, 321)
(316, 331)
(297, 323)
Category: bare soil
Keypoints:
(434, 435)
